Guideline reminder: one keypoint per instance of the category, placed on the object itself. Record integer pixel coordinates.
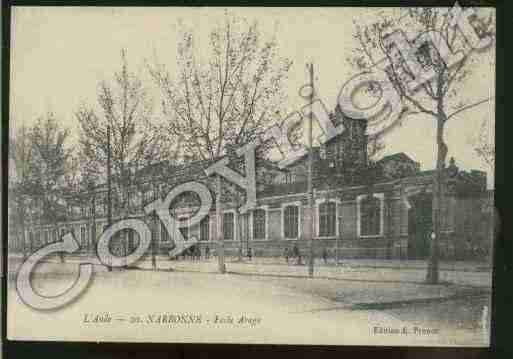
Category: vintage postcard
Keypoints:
(252, 175)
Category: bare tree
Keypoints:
(484, 146)
(224, 100)
(125, 114)
(20, 158)
(439, 98)
(49, 168)
(228, 98)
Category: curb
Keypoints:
(476, 269)
(401, 303)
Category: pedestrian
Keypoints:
(296, 253)
(207, 252)
(250, 254)
(325, 255)
(197, 252)
(286, 254)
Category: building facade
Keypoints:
(361, 209)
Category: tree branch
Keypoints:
(464, 108)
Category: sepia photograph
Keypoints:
(252, 175)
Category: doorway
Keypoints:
(420, 224)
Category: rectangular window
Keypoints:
(370, 216)
(133, 239)
(185, 227)
(327, 219)
(155, 233)
(259, 224)
(205, 228)
(164, 236)
(291, 221)
(228, 224)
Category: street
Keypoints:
(277, 305)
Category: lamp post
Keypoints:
(338, 238)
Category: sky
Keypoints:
(59, 55)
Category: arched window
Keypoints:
(370, 212)
(327, 219)
(259, 224)
(291, 221)
(205, 228)
(228, 224)
(83, 243)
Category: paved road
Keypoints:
(276, 309)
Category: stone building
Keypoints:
(363, 209)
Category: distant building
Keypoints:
(366, 209)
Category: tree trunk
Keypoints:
(126, 241)
(109, 184)
(432, 276)
(310, 219)
(22, 225)
(493, 218)
(92, 241)
(239, 228)
(220, 244)
(154, 235)
(61, 254)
